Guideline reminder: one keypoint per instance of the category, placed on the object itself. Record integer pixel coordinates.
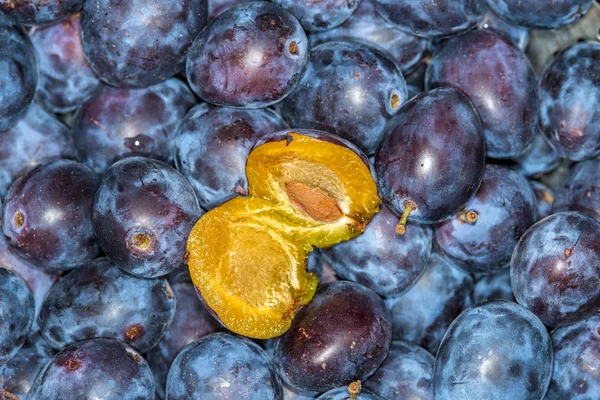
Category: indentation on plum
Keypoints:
(134, 332)
(70, 364)
(141, 242)
(293, 48)
(314, 202)
(18, 219)
(395, 101)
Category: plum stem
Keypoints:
(467, 216)
(409, 205)
(354, 389)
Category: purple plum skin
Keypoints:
(539, 158)
(581, 189)
(251, 56)
(200, 369)
(47, 215)
(541, 14)
(429, 18)
(39, 12)
(217, 7)
(66, 78)
(494, 350)
(495, 286)
(555, 268)
(139, 43)
(341, 393)
(38, 138)
(570, 101)
(500, 82)
(95, 368)
(349, 89)
(18, 72)
(576, 374)
(116, 123)
(506, 207)
(544, 197)
(412, 162)
(320, 15)
(518, 35)
(342, 335)
(423, 318)
(379, 258)
(406, 373)
(212, 145)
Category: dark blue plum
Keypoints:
(16, 314)
(576, 374)
(95, 369)
(431, 160)
(581, 190)
(555, 268)
(541, 14)
(116, 123)
(38, 138)
(406, 373)
(143, 213)
(350, 89)
(223, 366)
(66, 78)
(494, 350)
(366, 26)
(292, 394)
(320, 15)
(39, 12)
(518, 35)
(570, 101)
(500, 82)
(138, 43)
(493, 287)
(342, 335)
(217, 7)
(18, 374)
(18, 72)
(212, 145)
(251, 56)
(381, 259)
(544, 197)
(315, 264)
(47, 215)
(539, 158)
(191, 321)
(504, 208)
(423, 314)
(100, 300)
(430, 18)
(349, 393)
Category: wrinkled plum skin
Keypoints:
(430, 19)
(115, 123)
(381, 259)
(39, 12)
(320, 15)
(212, 145)
(406, 373)
(16, 314)
(500, 82)
(365, 25)
(493, 287)
(66, 78)
(22, 369)
(518, 35)
(555, 269)
(251, 56)
(18, 72)
(544, 197)
(54, 202)
(539, 158)
(506, 207)
(95, 368)
(342, 394)
(342, 335)
(581, 190)
(200, 369)
(192, 321)
(141, 196)
(494, 350)
(138, 43)
(349, 89)
(412, 160)
(541, 14)
(570, 101)
(38, 138)
(95, 300)
(576, 374)
(423, 318)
